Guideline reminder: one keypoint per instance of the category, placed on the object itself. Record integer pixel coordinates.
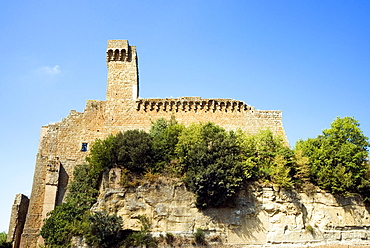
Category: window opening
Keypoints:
(84, 147)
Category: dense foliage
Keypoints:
(338, 157)
(210, 159)
(213, 163)
(165, 136)
(3, 242)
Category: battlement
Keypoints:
(195, 104)
(120, 50)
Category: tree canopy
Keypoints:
(211, 160)
(338, 157)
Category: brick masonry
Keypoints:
(60, 147)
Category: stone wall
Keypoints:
(17, 219)
(263, 215)
(228, 113)
(65, 144)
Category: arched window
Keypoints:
(110, 54)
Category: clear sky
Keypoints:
(310, 59)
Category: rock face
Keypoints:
(262, 215)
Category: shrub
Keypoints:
(170, 238)
(200, 237)
(143, 237)
(131, 150)
(309, 228)
(103, 230)
(83, 189)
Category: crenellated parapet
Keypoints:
(120, 50)
(192, 104)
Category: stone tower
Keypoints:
(123, 77)
(122, 71)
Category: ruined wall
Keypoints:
(59, 152)
(65, 144)
(17, 219)
(263, 215)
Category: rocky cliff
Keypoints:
(262, 215)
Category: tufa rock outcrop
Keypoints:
(263, 215)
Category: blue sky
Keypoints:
(310, 59)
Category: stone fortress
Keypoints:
(263, 216)
(65, 144)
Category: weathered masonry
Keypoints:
(65, 144)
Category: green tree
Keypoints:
(131, 150)
(83, 189)
(338, 157)
(268, 157)
(210, 159)
(102, 155)
(134, 150)
(165, 136)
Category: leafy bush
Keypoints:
(268, 157)
(3, 237)
(170, 238)
(102, 155)
(131, 150)
(83, 189)
(61, 225)
(200, 237)
(103, 230)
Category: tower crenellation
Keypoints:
(122, 71)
